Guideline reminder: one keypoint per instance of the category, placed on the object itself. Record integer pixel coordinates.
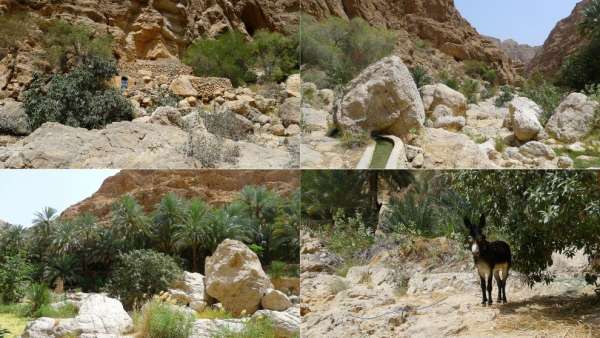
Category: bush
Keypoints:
(212, 313)
(420, 76)
(479, 70)
(39, 296)
(67, 45)
(543, 93)
(343, 48)
(80, 98)
(412, 215)
(275, 54)
(140, 274)
(449, 80)
(256, 327)
(68, 310)
(227, 56)
(470, 89)
(15, 274)
(506, 96)
(163, 320)
(14, 29)
(349, 235)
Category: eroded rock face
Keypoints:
(438, 22)
(561, 43)
(573, 119)
(190, 291)
(235, 277)
(216, 187)
(383, 98)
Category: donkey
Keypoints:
(490, 259)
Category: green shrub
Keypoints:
(470, 89)
(163, 320)
(420, 76)
(66, 45)
(479, 70)
(140, 274)
(449, 80)
(506, 95)
(275, 54)
(68, 310)
(39, 296)
(15, 273)
(277, 269)
(354, 139)
(212, 313)
(544, 94)
(412, 215)
(14, 28)
(499, 144)
(254, 328)
(229, 56)
(80, 98)
(349, 235)
(17, 309)
(343, 48)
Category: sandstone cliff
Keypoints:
(148, 187)
(562, 42)
(154, 29)
(520, 53)
(435, 21)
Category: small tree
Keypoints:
(15, 274)
(229, 56)
(80, 98)
(140, 274)
(275, 54)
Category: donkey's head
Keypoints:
(478, 242)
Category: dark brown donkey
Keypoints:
(491, 259)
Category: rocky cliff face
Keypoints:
(435, 21)
(148, 187)
(520, 53)
(562, 42)
(154, 29)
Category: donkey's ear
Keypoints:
(467, 222)
(482, 221)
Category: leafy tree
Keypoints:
(169, 213)
(275, 54)
(81, 98)
(536, 212)
(343, 48)
(15, 274)
(140, 274)
(192, 231)
(68, 45)
(229, 56)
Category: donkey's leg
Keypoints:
(504, 289)
(489, 288)
(499, 284)
(482, 279)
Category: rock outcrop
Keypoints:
(573, 119)
(437, 22)
(562, 42)
(149, 186)
(384, 99)
(520, 53)
(99, 316)
(234, 276)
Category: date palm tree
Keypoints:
(130, 222)
(43, 225)
(224, 223)
(192, 231)
(169, 213)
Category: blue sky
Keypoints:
(23, 192)
(526, 21)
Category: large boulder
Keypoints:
(440, 94)
(182, 86)
(13, 119)
(447, 150)
(289, 111)
(523, 118)
(275, 300)
(235, 277)
(573, 119)
(383, 98)
(189, 290)
(286, 324)
(98, 315)
(293, 85)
